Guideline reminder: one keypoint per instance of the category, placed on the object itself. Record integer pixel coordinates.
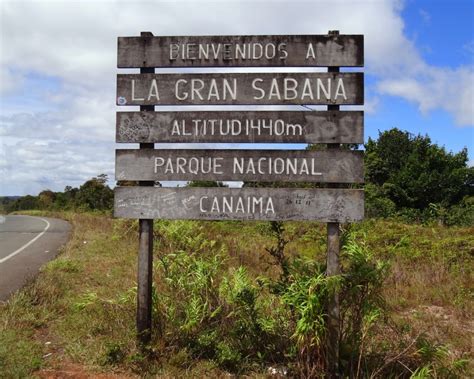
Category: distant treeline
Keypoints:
(406, 176)
(94, 194)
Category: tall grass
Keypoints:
(247, 298)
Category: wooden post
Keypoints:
(145, 252)
(333, 268)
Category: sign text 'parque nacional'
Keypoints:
(328, 166)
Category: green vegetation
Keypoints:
(250, 298)
(411, 177)
(249, 305)
(94, 194)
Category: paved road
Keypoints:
(26, 243)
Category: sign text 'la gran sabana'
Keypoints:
(242, 88)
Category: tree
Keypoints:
(46, 199)
(412, 172)
(23, 203)
(66, 199)
(95, 194)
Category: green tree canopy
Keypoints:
(95, 194)
(413, 172)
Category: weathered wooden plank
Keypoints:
(241, 88)
(327, 205)
(240, 127)
(241, 51)
(327, 166)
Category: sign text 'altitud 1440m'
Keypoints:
(241, 127)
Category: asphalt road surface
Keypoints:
(26, 243)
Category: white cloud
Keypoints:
(74, 44)
(32, 166)
(469, 48)
(434, 88)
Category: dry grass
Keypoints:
(77, 316)
(431, 284)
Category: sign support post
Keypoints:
(145, 251)
(333, 268)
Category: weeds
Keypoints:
(278, 251)
(405, 293)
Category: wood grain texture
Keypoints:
(240, 127)
(327, 166)
(145, 259)
(241, 89)
(333, 267)
(241, 51)
(326, 205)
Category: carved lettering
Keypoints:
(265, 89)
(236, 204)
(228, 51)
(240, 165)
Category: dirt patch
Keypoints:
(76, 371)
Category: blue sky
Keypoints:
(58, 68)
(443, 32)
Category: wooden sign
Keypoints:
(241, 51)
(327, 166)
(240, 127)
(327, 205)
(332, 127)
(241, 88)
